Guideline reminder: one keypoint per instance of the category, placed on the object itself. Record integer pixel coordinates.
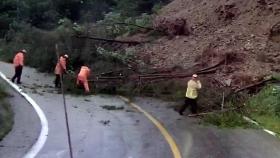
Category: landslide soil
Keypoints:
(236, 30)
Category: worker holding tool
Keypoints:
(191, 95)
(60, 69)
(18, 64)
(82, 79)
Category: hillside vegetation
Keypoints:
(37, 25)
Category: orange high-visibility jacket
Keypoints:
(18, 59)
(60, 66)
(83, 77)
(84, 73)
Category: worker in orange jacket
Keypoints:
(18, 64)
(82, 79)
(60, 69)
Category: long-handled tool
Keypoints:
(65, 108)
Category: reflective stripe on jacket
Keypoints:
(60, 67)
(18, 59)
(192, 89)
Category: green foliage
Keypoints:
(227, 120)
(137, 7)
(7, 15)
(265, 107)
(44, 14)
(170, 90)
(39, 44)
(157, 7)
(109, 24)
(116, 56)
(276, 76)
(144, 20)
(268, 122)
(39, 13)
(37, 25)
(79, 29)
(127, 8)
(267, 102)
(115, 24)
(102, 60)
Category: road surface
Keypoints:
(26, 128)
(127, 133)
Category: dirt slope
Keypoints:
(238, 29)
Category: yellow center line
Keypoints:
(164, 132)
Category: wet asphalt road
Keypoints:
(101, 133)
(26, 128)
(95, 132)
(198, 141)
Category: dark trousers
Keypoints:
(192, 103)
(18, 72)
(57, 81)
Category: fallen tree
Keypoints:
(111, 40)
(253, 85)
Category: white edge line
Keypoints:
(270, 132)
(256, 123)
(38, 145)
(250, 120)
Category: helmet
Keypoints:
(194, 76)
(23, 50)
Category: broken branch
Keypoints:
(128, 24)
(111, 40)
(253, 85)
(211, 67)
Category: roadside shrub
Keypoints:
(227, 120)
(276, 92)
(267, 102)
(264, 107)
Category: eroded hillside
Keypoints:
(244, 33)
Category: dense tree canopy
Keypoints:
(37, 25)
(46, 13)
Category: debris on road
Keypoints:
(87, 100)
(105, 122)
(112, 107)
